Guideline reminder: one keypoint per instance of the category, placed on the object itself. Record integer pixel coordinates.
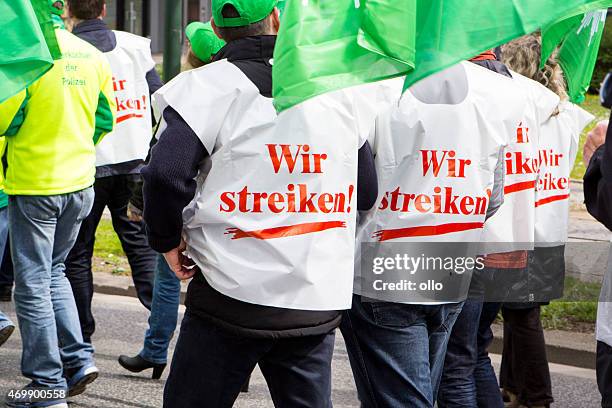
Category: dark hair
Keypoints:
(86, 9)
(235, 33)
(194, 61)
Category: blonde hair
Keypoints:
(523, 55)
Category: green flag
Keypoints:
(324, 45)
(24, 54)
(578, 39)
(449, 31)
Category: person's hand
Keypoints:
(183, 267)
(595, 139)
(134, 214)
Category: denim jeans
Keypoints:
(112, 193)
(211, 365)
(42, 231)
(164, 313)
(397, 351)
(468, 379)
(4, 320)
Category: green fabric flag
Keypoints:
(578, 39)
(325, 45)
(449, 31)
(24, 53)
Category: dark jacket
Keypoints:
(97, 33)
(169, 186)
(598, 183)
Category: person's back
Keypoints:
(438, 160)
(119, 157)
(51, 168)
(559, 140)
(273, 201)
(67, 111)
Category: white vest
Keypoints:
(559, 140)
(436, 156)
(130, 61)
(273, 220)
(514, 223)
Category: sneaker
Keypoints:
(6, 293)
(5, 333)
(78, 381)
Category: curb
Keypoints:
(556, 353)
(129, 291)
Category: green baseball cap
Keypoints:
(204, 41)
(250, 11)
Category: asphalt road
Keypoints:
(121, 322)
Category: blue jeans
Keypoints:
(397, 351)
(4, 320)
(42, 231)
(164, 313)
(210, 366)
(468, 380)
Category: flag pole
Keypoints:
(172, 38)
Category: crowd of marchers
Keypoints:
(266, 212)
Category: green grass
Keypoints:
(577, 310)
(108, 254)
(592, 105)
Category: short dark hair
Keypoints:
(86, 9)
(235, 33)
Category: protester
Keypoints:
(7, 113)
(524, 375)
(51, 168)
(409, 143)
(6, 326)
(119, 157)
(468, 378)
(598, 200)
(204, 44)
(264, 290)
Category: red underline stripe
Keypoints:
(525, 185)
(126, 117)
(552, 199)
(287, 231)
(424, 231)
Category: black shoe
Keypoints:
(138, 364)
(6, 293)
(6, 333)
